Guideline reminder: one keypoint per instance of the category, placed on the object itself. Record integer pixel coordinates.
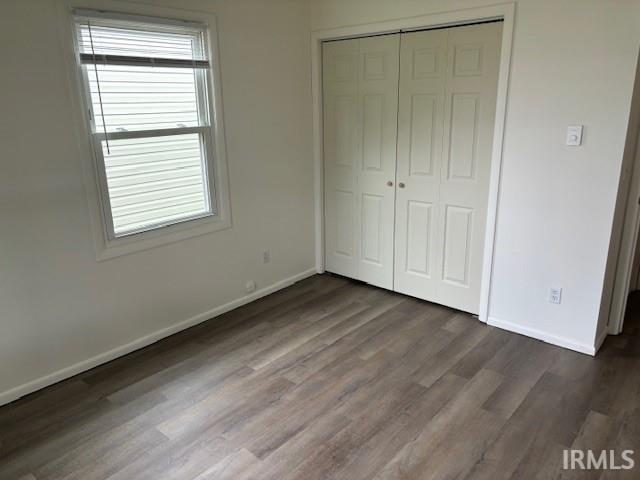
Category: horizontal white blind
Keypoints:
(88, 58)
(139, 40)
(142, 78)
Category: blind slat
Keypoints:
(135, 61)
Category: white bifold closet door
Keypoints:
(447, 98)
(360, 83)
(417, 108)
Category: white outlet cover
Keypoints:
(555, 295)
(250, 286)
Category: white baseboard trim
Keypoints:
(55, 377)
(601, 338)
(544, 336)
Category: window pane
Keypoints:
(155, 181)
(143, 98)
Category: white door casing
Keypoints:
(360, 83)
(447, 102)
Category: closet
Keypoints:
(408, 131)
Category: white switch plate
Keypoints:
(574, 135)
(555, 295)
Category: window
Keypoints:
(148, 90)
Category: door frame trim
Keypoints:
(504, 12)
(628, 239)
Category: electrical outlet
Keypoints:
(266, 256)
(250, 286)
(555, 295)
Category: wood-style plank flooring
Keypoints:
(332, 379)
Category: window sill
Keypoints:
(112, 248)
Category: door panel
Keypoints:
(470, 93)
(372, 224)
(423, 57)
(372, 120)
(345, 107)
(378, 95)
(447, 95)
(344, 222)
(458, 228)
(340, 71)
(461, 161)
(360, 86)
(419, 225)
(422, 135)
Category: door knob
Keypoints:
(401, 185)
(389, 183)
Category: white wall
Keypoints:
(58, 305)
(573, 61)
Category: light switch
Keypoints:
(574, 135)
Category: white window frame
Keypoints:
(107, 244)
